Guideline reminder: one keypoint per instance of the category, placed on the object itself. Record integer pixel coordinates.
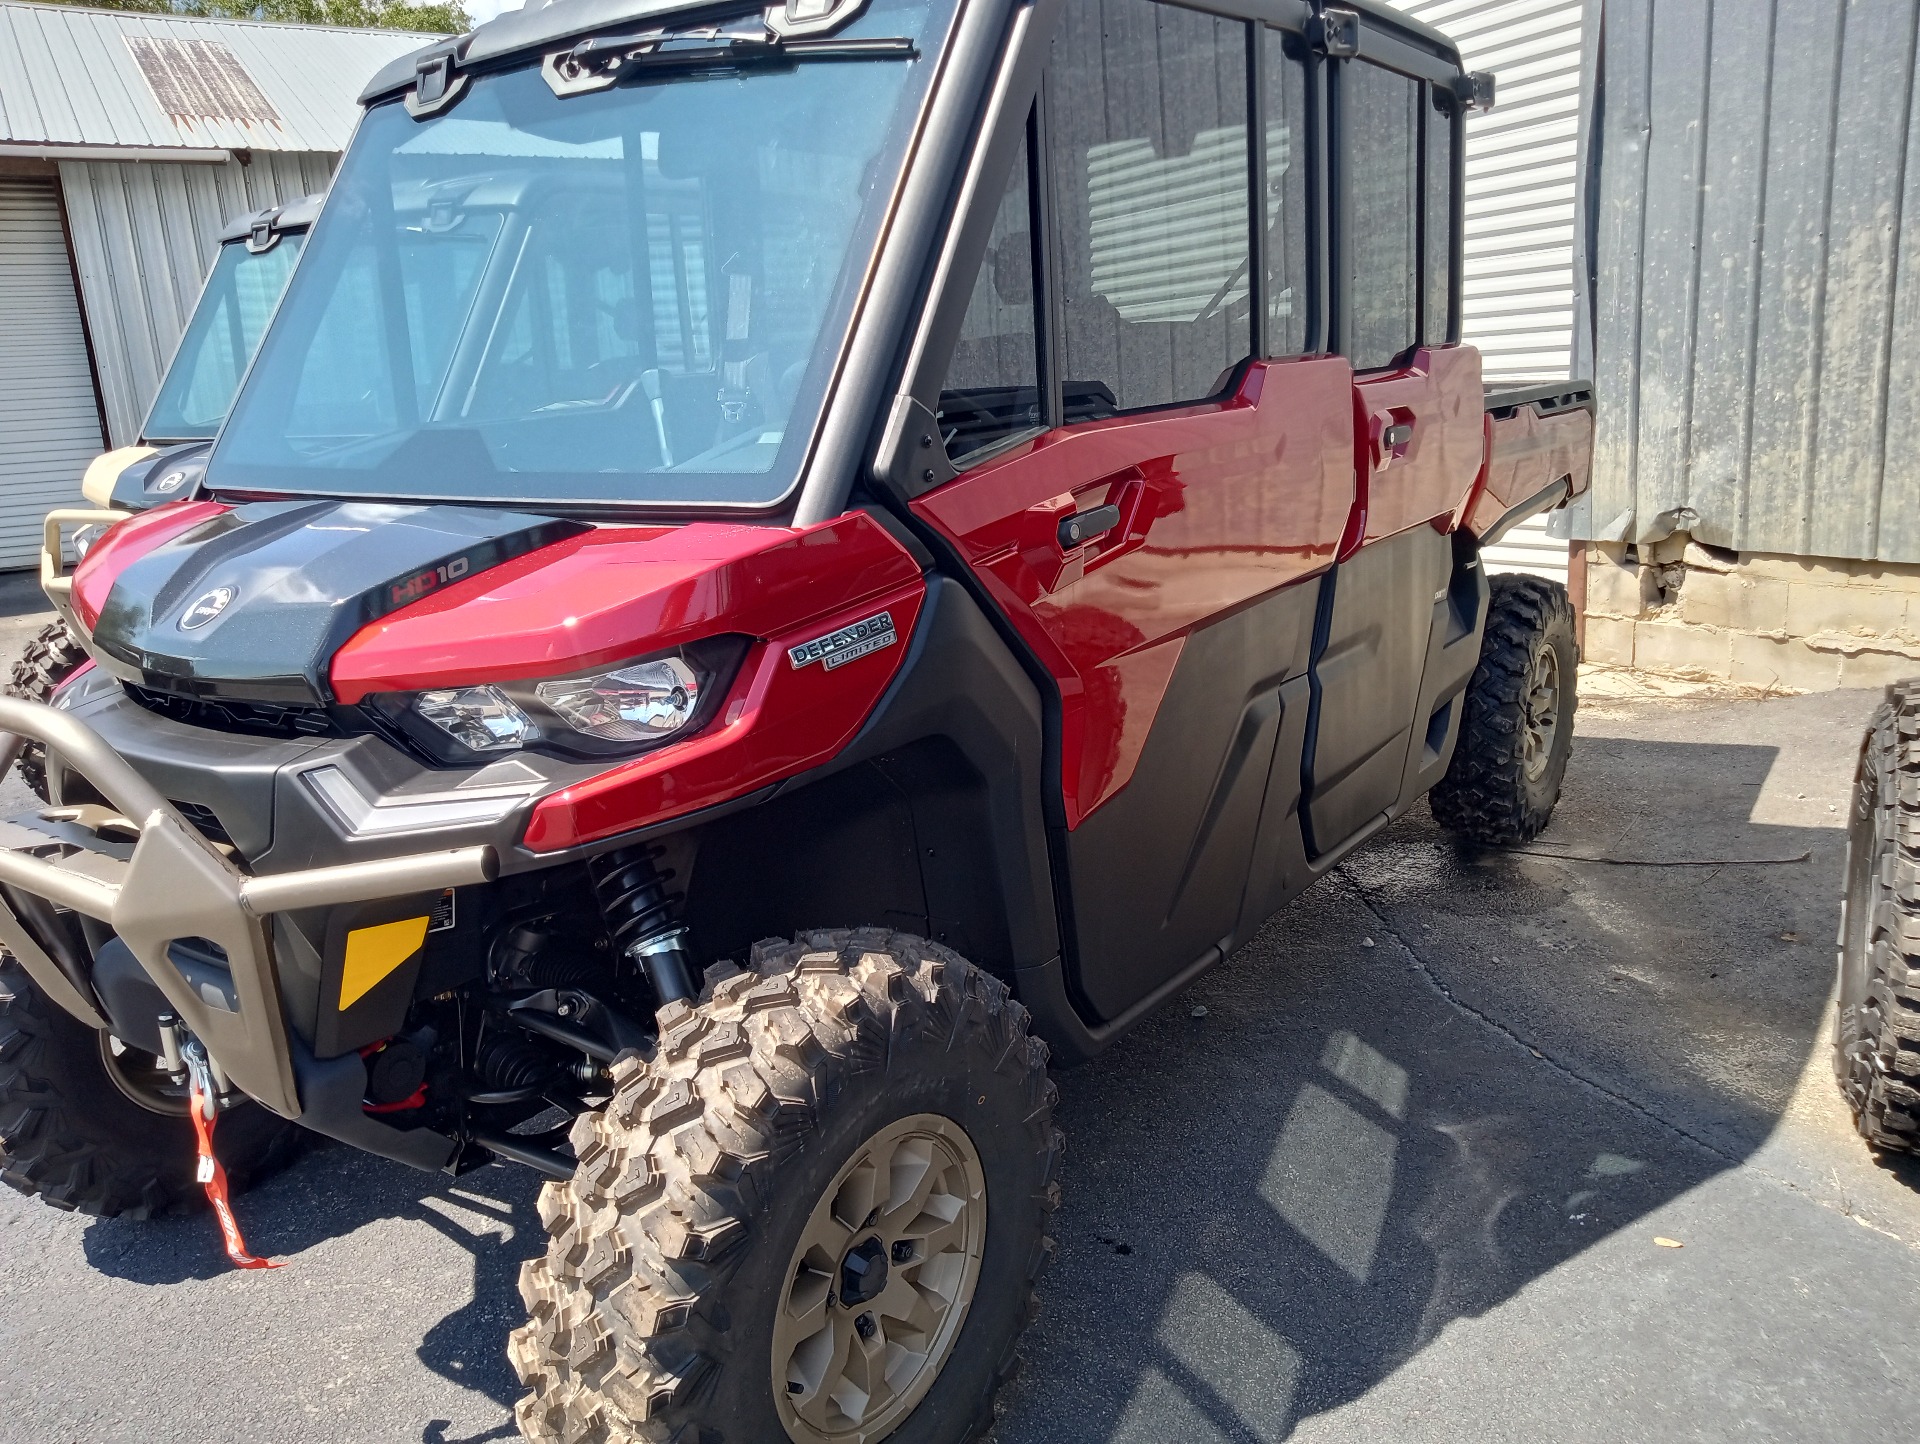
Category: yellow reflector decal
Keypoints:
(372, 953)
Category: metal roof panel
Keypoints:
(70, 77)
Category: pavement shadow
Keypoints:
(20, 594)
(1441, 1074)
(332, 1192)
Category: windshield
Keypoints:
(239, 296)
(635, 294)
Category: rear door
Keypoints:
(1417, 423)
(1154, 468)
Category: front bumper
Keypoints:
(141, 868)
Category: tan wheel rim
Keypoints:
(1543, 710)
(879, 1283)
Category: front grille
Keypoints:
(258, 719)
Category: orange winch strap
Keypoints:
(214, 1178)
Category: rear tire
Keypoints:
(1516, 727)
(74, 1137)
(49, 659)
(676, 1301)
(1876, 1042)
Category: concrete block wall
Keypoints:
(1801, 624)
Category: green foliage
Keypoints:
(445, 18)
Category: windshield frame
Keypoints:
(817, 394)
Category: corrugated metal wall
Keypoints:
(1757, 331)
(143, 237)
(1522, 189)
(49, 425)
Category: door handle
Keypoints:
(1397, 435)
(1084, 526)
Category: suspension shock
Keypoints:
(643, 918)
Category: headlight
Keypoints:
(480, 719)
(84, 538)
(612, 712)
(643, 703)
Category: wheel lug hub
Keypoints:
(903, 1251)
(863, 1274)
(864, 1326)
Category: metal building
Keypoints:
(1523, 170)
(1755, 226)
(1758, 249)
(126, 141)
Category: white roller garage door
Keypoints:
(49, 419)
(1522, 159)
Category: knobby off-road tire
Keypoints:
(72, 1136)
(1876, 1043)
(1516, 728)
(675, 1244)
(49, 659)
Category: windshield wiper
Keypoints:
(602, 60)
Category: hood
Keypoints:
(253, 602)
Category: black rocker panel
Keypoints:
(1367, 681)
(1159, 873)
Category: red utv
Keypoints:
(769, 562)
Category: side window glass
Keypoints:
(1382, 117)
(1439, 233)
(1286, 196)
(992, 388)
(1147, 130)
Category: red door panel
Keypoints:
(1418, 437)
(1219, 504)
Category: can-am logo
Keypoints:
(171, 481)
(206, 608)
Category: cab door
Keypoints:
(1153, 475)
(1417, 424)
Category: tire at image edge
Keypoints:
(1876, 1046)
(48, 660)
(70, 1136)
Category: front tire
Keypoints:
(49, 659)
(1876, 1043)
(705, 1254)
(1516, 727)
(79, 1137)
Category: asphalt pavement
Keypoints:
(1401, 1168)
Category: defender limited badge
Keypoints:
(867, 635)
(206, 608)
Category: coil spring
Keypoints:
(631, 888)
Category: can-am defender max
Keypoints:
(985, 495)
(250, 269)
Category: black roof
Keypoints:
(540, 26)
(293, 216)
(535, 29)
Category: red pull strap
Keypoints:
(213, 1178)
